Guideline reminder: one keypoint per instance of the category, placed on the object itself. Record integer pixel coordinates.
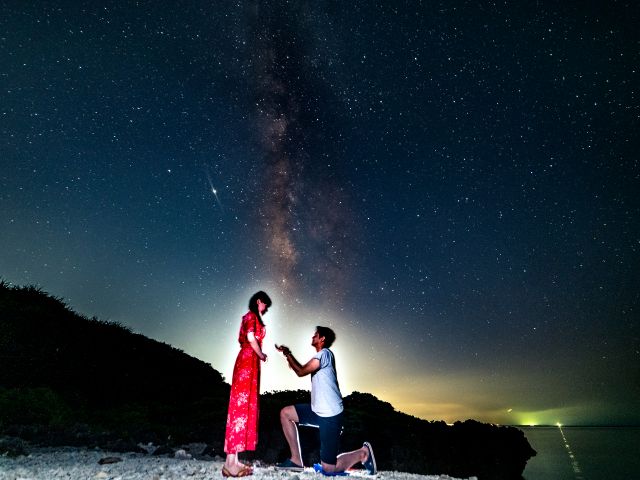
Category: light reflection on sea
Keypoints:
(583, 453)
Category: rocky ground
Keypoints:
(94, 464)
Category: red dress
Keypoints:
(242, 418)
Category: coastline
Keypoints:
(81, 463)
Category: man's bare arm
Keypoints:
(301, 370)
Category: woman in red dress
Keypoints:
(242, 419)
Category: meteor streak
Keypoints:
(213, 190)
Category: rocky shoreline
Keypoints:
(96, 464)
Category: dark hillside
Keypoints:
(70, 369)
(67, 379)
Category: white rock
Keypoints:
(182, 455)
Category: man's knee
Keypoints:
(288, 413)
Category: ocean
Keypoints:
(583, 453)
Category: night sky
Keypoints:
(452, 186)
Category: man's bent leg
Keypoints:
(288, 420)
(330, 431)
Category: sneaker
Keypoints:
(318, 469)
(370, 463)
(289, 465)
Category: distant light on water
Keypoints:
(574, 462)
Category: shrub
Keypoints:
(27, 406)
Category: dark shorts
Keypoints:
(330, 429)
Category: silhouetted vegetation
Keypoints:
(67, 379)
(63, 371)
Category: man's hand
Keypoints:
(282, 348)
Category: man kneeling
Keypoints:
(324, 413)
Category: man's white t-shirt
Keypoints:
(326, 399)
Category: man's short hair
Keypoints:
(328, 334)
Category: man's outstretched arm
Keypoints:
(301, 370)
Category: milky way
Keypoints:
(304, 213)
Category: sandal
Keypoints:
(290, 466)
(243, 472)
